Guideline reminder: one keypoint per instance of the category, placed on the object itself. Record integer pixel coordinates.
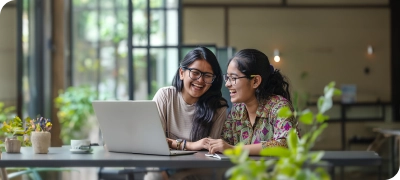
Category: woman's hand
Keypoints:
(170, 143)
(198, 145)
(218, 145)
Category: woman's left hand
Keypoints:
(218, 145)
(170, 143)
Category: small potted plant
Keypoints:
(40, 135)
(14, 132)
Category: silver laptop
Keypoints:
(133, 127)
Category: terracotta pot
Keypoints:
(13, 145)
(40, 142)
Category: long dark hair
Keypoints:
(210, 101)
(254, 62)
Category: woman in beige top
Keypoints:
(193, 108)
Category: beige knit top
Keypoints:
(177, 115)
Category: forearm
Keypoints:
(254, 149)
(190, 146)
(194, 146)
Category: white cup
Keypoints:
(83, 144)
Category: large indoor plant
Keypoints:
(296, 162)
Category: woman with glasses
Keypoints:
(257, 91)
(193, 108)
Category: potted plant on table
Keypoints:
(40, 135)
(296, 162)
(15, 135)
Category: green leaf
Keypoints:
(315, 156)
(286, 171)
(329, 86)
(229, 172)
(292, 140)
(306, 117)
(304, 138)
(284, 112)
(326, 104)
(337, 92)
(302, 175)
(323, 175)
(320, 102)
(275, 151)
(244, 155)
(321, 118)
(228, 152)
(318, 132)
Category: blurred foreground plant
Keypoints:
(296, 162)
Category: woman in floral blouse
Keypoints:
(257, 92)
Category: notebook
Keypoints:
(133, 127)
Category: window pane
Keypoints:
(122, 84)
(172, 28)
(122, 4)
(172, 3)
(26, 40)
(164, 66)
(140, 73)
(108, 66)
(157, 36)
(114, 76)
(106, 4)
(139, 4)
(85, 3)
(85, 44)
(172, 65)
(107, 25)
(156, 3)
(139, 28)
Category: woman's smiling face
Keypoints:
(243, 90)
(193, 89)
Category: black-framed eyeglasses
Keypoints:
(232, 80)
(196, 74)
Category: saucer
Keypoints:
(80, 151)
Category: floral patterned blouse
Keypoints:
(268, 129)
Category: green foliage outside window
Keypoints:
(298, 161)
(75, 108)
(6, 112)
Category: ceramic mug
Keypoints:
(82, 144)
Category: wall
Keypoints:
(8, 46)
(328, 43)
